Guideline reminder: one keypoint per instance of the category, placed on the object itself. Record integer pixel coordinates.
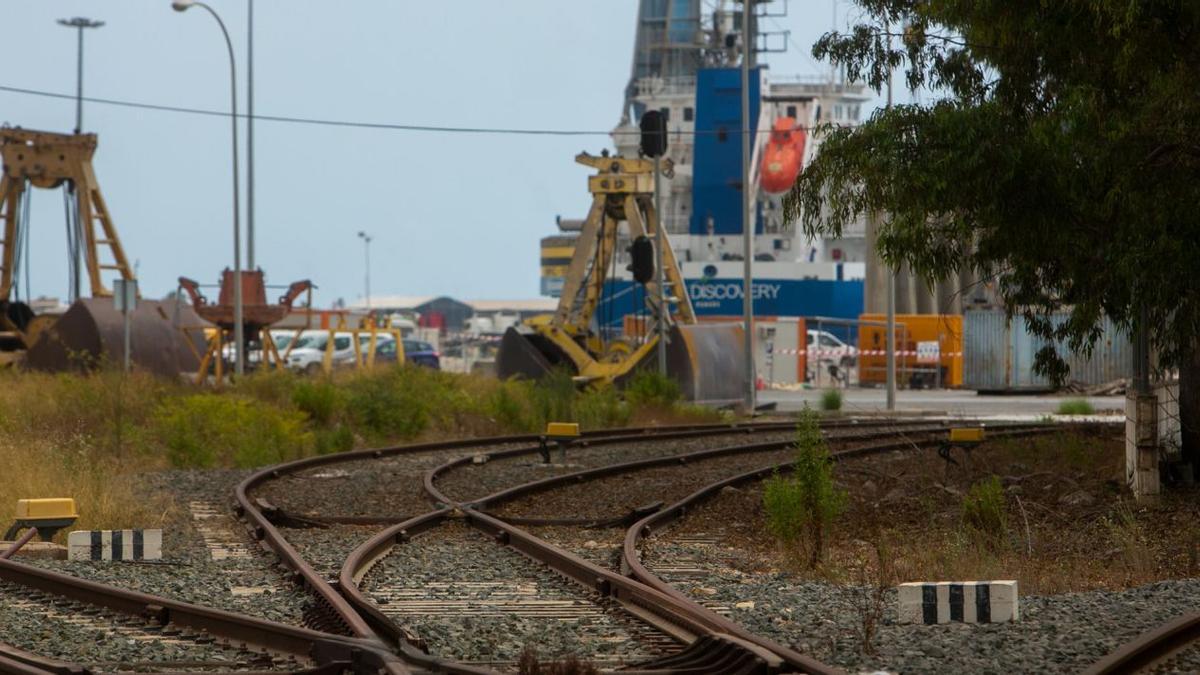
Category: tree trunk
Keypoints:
(1189, 409)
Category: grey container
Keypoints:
(998, 354)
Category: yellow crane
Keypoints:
(703, 358)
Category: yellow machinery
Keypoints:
(703, 358)
(90, 331)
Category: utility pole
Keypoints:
(658, 268)
(891, 295)
(79, 23)
(747, 219)
(250, 135)
(367, 275)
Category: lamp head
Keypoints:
(182, 5)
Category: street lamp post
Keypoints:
(238, 324)
(79, 23)
(367, 275)
(747, 214)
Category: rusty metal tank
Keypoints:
(92, 333)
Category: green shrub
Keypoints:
(507, 404)
(801, 506)
(831, 399)
(270, 385)
(318, 398)
(650, 388)
(553, 398)
(207, 430)
(337, 439)
(1075, 406)
(383, 407)
(601, 409)
(984, 512)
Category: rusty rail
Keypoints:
(320, 647)
(1152, 647)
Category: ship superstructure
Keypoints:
(687, 66)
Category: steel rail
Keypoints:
(1152, 647)
(361, 622)
(631, 561)
(323, 648)
(439, 497)
(19, 661)
(594, 473)
(666, 607)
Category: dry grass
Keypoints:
(88, 436)
(1071, 523)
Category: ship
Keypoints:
(687, 65)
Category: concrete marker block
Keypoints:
(99, 545)
(958, 602)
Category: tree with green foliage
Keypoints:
(1058, 156)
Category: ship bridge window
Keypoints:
(666, 113)
(688, 114)
(791, 111)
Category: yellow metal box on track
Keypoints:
(40, 509)
(966, 435)
(562, 429)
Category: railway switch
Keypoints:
(47, 516)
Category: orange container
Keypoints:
(929, 350)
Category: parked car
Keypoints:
(825, 348)
(309, 353)
(416, 352)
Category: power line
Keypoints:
(499, 131)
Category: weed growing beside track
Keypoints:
(83, 435)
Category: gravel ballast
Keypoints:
(476, 601)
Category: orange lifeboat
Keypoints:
(783, 157)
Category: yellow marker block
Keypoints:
(562, 429)
(46, 509)
(966, 435)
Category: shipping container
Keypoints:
(929, 350)
(1000, 354)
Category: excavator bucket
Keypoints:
(524, 353)
(707, 360)
(91, 332)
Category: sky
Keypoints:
(450, 214)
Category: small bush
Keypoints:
(207, 430)
(831, 400)
(337, 439)
(553, 398)
(601, 409)
(649, 388)
(506, 405)
(317, 398)
(383, 407)
(801, 506)
(1076, 406)
(984, 512)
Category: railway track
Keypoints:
(429, 556)
(1156, 650)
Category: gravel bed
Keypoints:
(326, 549)
(473, 600)
(1055, 634)
(388, 486)
(473, 481)
(601, 545)
(228, 571)
(1186, 661)
(57, 630)
(616, 496)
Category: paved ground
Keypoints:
(952, 402)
